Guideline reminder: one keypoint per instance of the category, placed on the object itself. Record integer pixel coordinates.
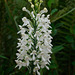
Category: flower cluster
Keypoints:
(35, 46)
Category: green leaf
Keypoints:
(54, 30)
(20, 3)
(1, 56)
(10, 69)
(41, 71)
(53, 11)
(2, 73)
(8, 11)
(15, 18)
(69, 39)
(62, 13)
(58, 25)
(53, 65)
(72, 29)
(27, 73)
(50, 73)
(10, 15)
(57, 48)
(50, 2)
(55, 2)
(73, 63)
(73, 45)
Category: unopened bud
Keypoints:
(24, 9)
(45, 9)
(29, 0)
(41, 1)
(36, 4)
(32, 6)
(36, 1)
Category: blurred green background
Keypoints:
(63, 25)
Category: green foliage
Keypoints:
(63, 31)
(69, 39)
(72, 29)
(57, 48)
(53, 11)
(19, 3)
(50, 2)
(1, 56)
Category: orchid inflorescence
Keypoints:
(34, 46)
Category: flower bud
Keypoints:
(24, 9)
(45, 9)
(36, 4)
(36, 1)
(41, 1)
(32, 6)
(29, 0)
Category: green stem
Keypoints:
(34, 41)
(34, 73)
(35, 27)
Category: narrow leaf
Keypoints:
(57, 48)
(50, 2)
(1, 56)
(53, 11)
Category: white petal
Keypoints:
(47, 67)
(38, 66)
(27, 63)
(33, 57)
(38, 73)
(43, 58)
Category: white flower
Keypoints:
(43, 64)
(25, 20)
(33, 14)
(43, 11)
(24, 9)
(22, 30)
(37, 63)
(19, 63)
(35, 42)
(30, 29)
(36, 70)
(27, 59)
(41, 55)
(33, 53)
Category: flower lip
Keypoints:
(26, 58)
(34, 52)
(37, 61)
(36, 69)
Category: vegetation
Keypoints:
(63, 25)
